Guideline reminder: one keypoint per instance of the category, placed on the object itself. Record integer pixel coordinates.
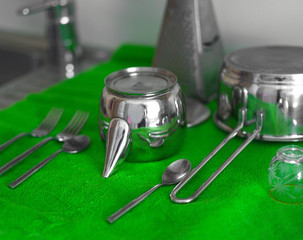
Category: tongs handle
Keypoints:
(242, 120)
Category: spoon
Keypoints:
(72, 145)
(173, 174)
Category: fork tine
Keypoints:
(51, 119)
(46, 121)
(71, 122)
(80, 124)
(76, 124)
(49, 122)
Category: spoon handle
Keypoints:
(30, 172)
(132, 204)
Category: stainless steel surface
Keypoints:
(210, 156)
(72, 145)
(189, 45)
(141, 81)
(64, 50)
(153, 111)
(268, 79)
(153, 144)
(46, 126)
(70, 131)
(173, 174)
(196, 112)
(118, 142)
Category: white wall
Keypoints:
(109, 23)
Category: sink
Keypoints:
(24, 68)
(14, 64)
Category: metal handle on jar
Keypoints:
(242, 120)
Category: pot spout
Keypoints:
(117, 145)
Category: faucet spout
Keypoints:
(63, 46)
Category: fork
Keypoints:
(72, 129)
(45, 127)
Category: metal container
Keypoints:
(267, 79)
(141, 109)
(190, 46)
(260, 97)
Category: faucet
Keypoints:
(64, 50)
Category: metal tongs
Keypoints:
(241, 124)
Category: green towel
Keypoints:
(69, 199)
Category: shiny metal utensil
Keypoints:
(142, 116)
(71, 130)
(46, 126)
(72, 145)
(191, 198)
(173, 174)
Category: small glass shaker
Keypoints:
(285, 175)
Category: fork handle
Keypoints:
(22, 156)
(14, 139)
(30, 172)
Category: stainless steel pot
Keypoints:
(267, 79)
(260, 97)
(141, 109)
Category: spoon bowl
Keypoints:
(176, 171)
(76, 144)
(173, 174)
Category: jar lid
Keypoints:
(141, 81)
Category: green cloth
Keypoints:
(69, 199)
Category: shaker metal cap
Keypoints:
(141, 81)
(271, 64)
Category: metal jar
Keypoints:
(142, 111)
